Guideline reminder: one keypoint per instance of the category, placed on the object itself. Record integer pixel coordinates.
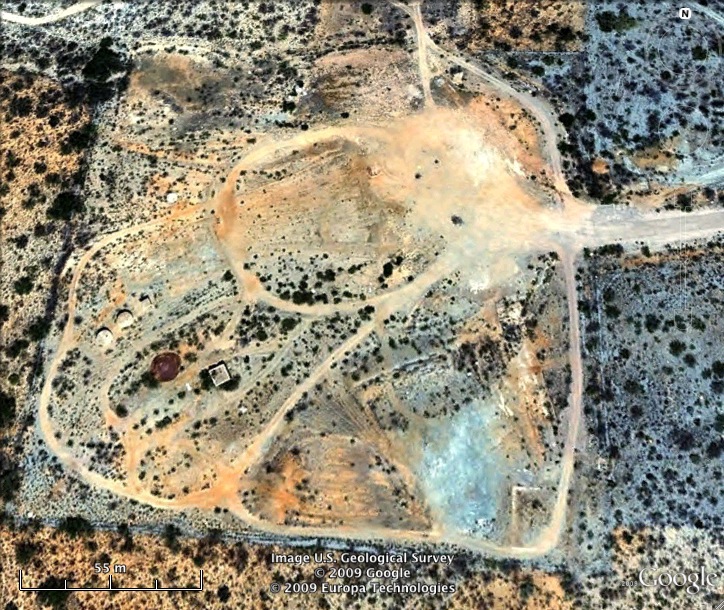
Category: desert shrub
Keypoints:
(76, 526)
(7, 409)
(65, 205)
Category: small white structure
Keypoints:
(124, 318)
(219, 374)
(146, 301)
(104, 337)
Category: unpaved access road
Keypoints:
(552, 131)
(625, 225)
(422, 61)
(73, 9)
(576, 231)
(602, 226)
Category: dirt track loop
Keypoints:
(566, 230)
(73, 9)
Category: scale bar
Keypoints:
(110, 586)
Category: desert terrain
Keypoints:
(368, 318)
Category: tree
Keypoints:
(677, 347)
(9, 478)
(223, 593)
(64, 205)
(25, 550)
(170, 537)
(54, 599)
(718, 368)
(23, 285)
(39, 329)
(78, 140)
(7, 409)
(100, 70)
(608, 21)
(76, 526)
(567, 120)
(699, 53)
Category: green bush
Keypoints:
(23, 285)
(39, 329)
(608, 21)
(76, 526)
(65, 205)
(7, 409)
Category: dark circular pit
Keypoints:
(165, 366)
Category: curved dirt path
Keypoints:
(551, 535)
(611, 228)
(73, 9)
(67, 341)
(224, 491)
(544, 115)
(393, 302)
(659, 229)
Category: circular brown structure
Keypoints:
(165, 366)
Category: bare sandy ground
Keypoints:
(503, 219)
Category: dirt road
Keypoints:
(422, 59)
(567, 231)
(550, 536)
(73, 9)
(537, 107)
(715, 176)
(608, 225)
(627, 225)
(68, 341)
(709, 12)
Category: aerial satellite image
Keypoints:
(342, 304)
